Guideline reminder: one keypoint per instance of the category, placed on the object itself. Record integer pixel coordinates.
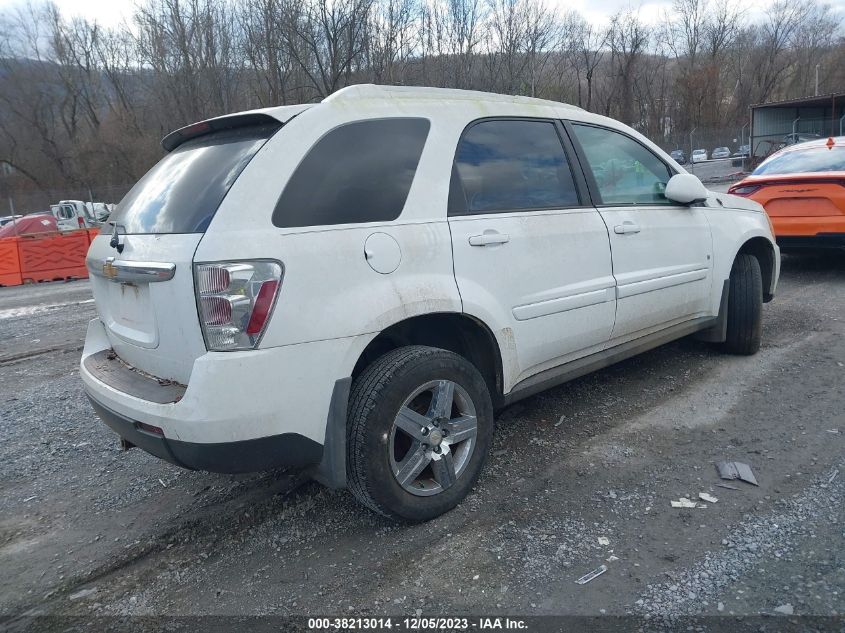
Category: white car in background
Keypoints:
(721, 152)
(698, 156)
(356, 286)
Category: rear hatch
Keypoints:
(803, 181)
(145, 293)
(803, 197)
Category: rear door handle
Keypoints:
(626, 228)
(485, 239)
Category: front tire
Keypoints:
(419, 430)
(745, 306)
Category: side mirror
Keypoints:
(685, 189)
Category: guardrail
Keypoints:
(44, 257)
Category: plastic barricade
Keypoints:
(10, 263)
(53, 257)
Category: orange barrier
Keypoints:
(10, 262)
(53, 257)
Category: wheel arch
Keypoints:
(764, 251)
(457, 332)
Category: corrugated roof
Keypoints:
(820, 100)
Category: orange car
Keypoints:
(802, 188)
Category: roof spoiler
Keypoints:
(177, 137)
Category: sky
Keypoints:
(112, 12)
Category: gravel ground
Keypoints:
(580, 476)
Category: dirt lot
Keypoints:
(87, 530)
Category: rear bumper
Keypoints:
(812, 242)
(239, 412)
(265, 453)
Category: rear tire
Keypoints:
(421, 463)
(745, 306)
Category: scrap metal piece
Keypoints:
(598, 571)
(683, 502)
(728, 486)
(736, 470)
(706, 497)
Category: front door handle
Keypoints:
(626, 228)
(485, 239)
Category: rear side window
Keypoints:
(358, 172)
(811, 159)
(511, 165)
(182, 192)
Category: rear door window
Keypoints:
(511, 165)
(358, 172)
(182, 192)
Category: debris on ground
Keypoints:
(833, 476)
(728, 486)
(706, 497)
(84, 593)
(736, 470)
(598, 571)
(683, 502)
(603, 540)
(560, 420)
(785, 609)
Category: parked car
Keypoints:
(742, 151)
(355, 286)
(801, 188)
(678, 156)
(6, 219)
(699, 155)
(799, 137)
(721, 152)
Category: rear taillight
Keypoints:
(743, 190)
(235, 301)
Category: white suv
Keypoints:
(356, 286)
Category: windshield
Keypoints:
(816, 159)
(182, 192)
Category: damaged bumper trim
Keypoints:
(246, 456)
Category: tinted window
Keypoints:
(511, 165)
(182, 192)
(359, 172)
(625, 171)
(814, 159)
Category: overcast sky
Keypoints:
(111, 12)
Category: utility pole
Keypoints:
(817, 79)
(12, 209)
(691, 149)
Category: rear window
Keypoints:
(358, 172)
(511, 165)
(182, 192)
(807, 160)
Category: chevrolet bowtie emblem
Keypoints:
(109, 269)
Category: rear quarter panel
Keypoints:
(329, 290)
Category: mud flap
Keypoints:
(331, 471)
(718, 333)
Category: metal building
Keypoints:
(780, 123)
